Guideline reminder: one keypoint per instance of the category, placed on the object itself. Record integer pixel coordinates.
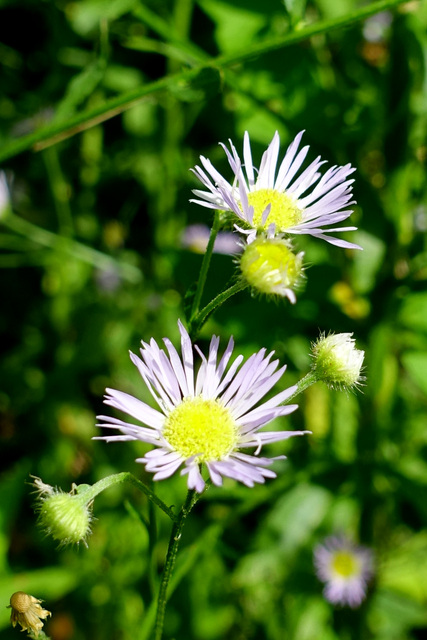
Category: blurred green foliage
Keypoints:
(91, 263)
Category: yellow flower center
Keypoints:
(201, 427)
(284, 210)
(345, 564)
(269, 265)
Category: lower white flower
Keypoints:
(345, 568)
(206, 417)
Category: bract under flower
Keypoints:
(206, 417)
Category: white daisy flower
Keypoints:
(206, 417)
(345, 568)
(281, 200)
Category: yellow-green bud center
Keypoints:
(345, 564)
(269, 265)
(201, 427)
(284, 210)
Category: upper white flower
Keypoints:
(206, 417)
(279, 199)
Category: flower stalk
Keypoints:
(174, 541)
(205, 266)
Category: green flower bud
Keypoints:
(269, 266)
(65, 516)
(337, 362)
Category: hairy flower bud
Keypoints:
(337, 362)
(27, 612)
(64, 516)
(269, 266)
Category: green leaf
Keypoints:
(86, 16)
(295, 9)
(415, 363)
(413, 312)
(405, 569)
(368, 262)
(80, 88)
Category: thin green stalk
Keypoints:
(70, 247)
(198, 321)
(192, 498)
(310, 378)
(54, 132)
(205, 267)
(152, 532)
(89, 492)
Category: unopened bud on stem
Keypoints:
(337, 361)
(64, 516)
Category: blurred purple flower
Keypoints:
(345, 568)
(195, 238)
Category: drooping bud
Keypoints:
(337, 361)
(269, 266)
(27, 612)
(64, 516)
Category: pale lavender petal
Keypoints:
(134, 407)
(247, 158)
(195, 480)
(267, 169)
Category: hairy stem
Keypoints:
(192, 498)
(205, 267)
(198, 321)
(89, 492)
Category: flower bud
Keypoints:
(27, 612)
(337, 362)
(269, 266)
(64, 516)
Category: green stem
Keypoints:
(89, 492)
(57, 131)
(40, 635)
(310, 378)
(205, 267)
(198, 321)
(192, 498)
(70, 247)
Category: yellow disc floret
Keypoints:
(269, 266)
(345, 564)
(284, 211)
(201, 427)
